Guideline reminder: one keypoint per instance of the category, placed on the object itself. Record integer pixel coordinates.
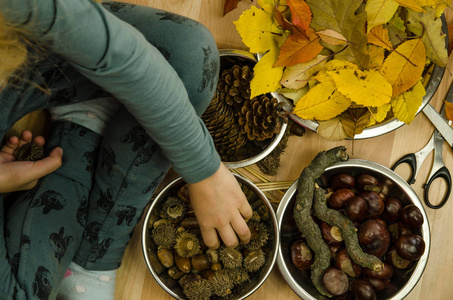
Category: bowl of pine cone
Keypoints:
(244, 129)
(186, 268)
(358, 231)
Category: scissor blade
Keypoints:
(440, 123)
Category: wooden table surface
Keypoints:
(134, 280)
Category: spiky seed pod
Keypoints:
(30, 152)
(261, 118)
(164, 235)
(198, 290)
(221, 284)
(238, 275)
(230, 257)
(254, 260)
(187, 244)
(174, 209)
(259, 235)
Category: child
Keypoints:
(150, 87)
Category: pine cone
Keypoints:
(234, 85)
(261, 118)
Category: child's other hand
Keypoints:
(24, 175)
(221, 209)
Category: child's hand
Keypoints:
(221, 207)
(24, 175)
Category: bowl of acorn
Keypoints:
(390, 234)
(186, 268)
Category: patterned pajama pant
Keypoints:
(86, 211)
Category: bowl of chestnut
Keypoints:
(390, 224)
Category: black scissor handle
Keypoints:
(441, 173)
(411, 161)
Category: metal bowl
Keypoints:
(171, 286)
(299, 281)
(228, 58)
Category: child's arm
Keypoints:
(23, 175)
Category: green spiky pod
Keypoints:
(302, 212)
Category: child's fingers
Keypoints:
(10, 145)
(39, 140)
(46, 165)
(210, 238)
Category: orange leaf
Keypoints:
(449, 110)
(300, 14)
(379, 36)
(297, 49)
(230, 5)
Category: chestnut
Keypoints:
(396, 260)
(412, 216)
(375, 204)
(335, 281)
(338, 198)
(410, 246)
(331, 234)
(301, 255)
(342, 181)
(374, 237)
(344, 262)
(378, 284)
(365, 180)
(356, 209)
(392, 210)
(363, 290)
(398, 229)
(385, 273)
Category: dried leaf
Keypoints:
(379, 36)
(355, 120)
(346, 18)
(332, 130)
(411, 4)
(332, 37)
(294, 95)
(300, 15)
(296, 49)
(404, 67)
(448, 110)
(296, 77)
(380, 12)
(229, 6)
(257, 29)
(406, 105)
(322, 102)
(379, 114)
(376, 57)
(367, 88)
(429, 28)
(266, 78)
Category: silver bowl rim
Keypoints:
(395, 178)
(156, 202)
(274, 142)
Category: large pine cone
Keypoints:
(261, 118)
(234, 85)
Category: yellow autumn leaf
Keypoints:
(332, 37)
(412, 4)
(332, 130)
(322, 102)
(257, 29)
(267, 5)
(380, 12)
(378, 114)
(367, 88)
(266, 79)
(334, 65)
(379, 36)
(405, 106)
(404, 66)
(297, 76)
(376, 57)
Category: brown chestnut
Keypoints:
(398, 229)
(412, 216)
(356, 209)
(385, 273)
(344, 262)
(331, 234)
(378, 284)
(342, 181)
(410, 246)
(374, 237)
(363, 290)
(396, 260)
(375, 204)
(301, 255)
(338, 199)
(364, 180)
(392, 210)
(183, 263)
(335, 281)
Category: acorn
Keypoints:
(166, 257)
(259, 235)
(230, 257)
(213, 255)
(198, 290)
(254, 260)
(238, 275)
(175, 273)
(187, 244)
(188, 278)
(164, 235)
(221, 284)
(174, 209)
(200, 262)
